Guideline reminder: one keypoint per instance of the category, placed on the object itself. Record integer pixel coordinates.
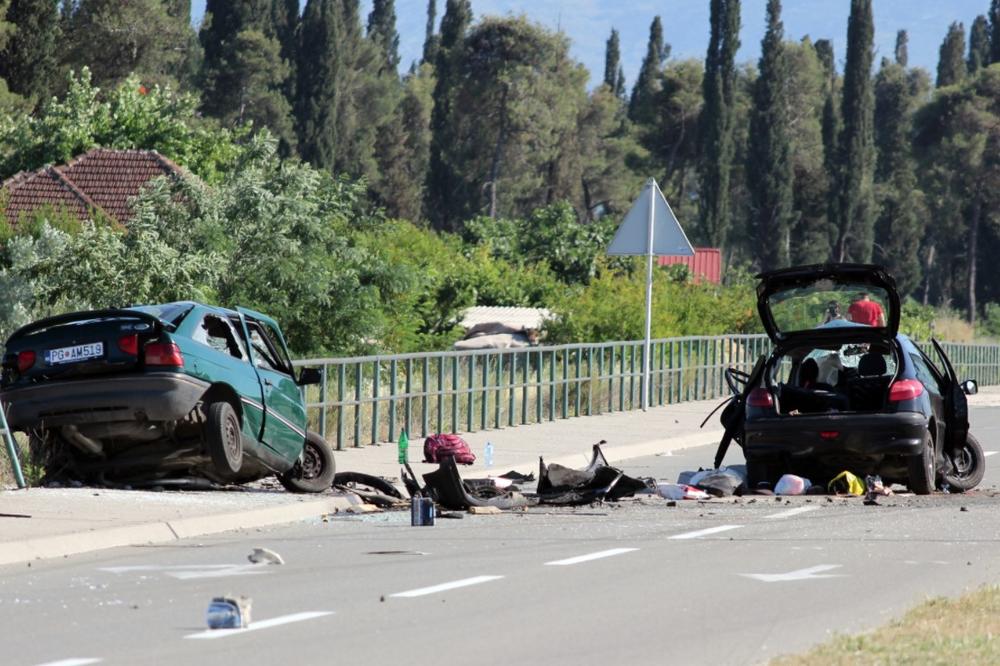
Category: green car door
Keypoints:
(284, 427)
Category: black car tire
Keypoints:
(921, 469)
(315, 472)
(760, 472)
(969, 466)
(223, 438)
(367, 482)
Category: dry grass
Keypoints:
(953, 329)
(941, 631)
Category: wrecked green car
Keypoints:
(174, 394)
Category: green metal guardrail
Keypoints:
(371, 399)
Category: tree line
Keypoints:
(784, 161)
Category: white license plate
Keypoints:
(76, 353)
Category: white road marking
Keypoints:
(465, 582)
(788, 513)
(262, 624)
(591, 556)
(72, 662)
(812, 573)
(705, 532)
(990, 453)
(195, 571)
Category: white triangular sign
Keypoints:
(632, 237)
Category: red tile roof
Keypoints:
(706, 264)
(101, 179)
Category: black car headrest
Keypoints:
(871, 364)
(808, 372)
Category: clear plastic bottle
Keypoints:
(488, 454)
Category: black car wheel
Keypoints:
(966, 466)
(315, 471)
(921, 469)
(223, 438)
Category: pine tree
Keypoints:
(614, 77)
(902, 48)
(382, 31)
(994, 31)
(116, 39)
(716, 126)
(856, 162)
(284, 27)
(951, 61)
(979, 44)
(29, 62)
(243, 74)
(430, 34)
(442, 180)
(769, 166)
(315, 107)
(647, 85)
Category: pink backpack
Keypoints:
(442, 445)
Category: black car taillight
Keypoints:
(25, 359)
(760, 397)
(164, 353)
(129, 344)
(905, 389)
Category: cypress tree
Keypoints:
(441, 179)
(769, 166)
(382, 31)
(979, 44)
(831, 127)
(902, 48)
(316, 104)
(29, 62)
(716, 124)
(899, 228)
(614, 77)
(856, 205)
(951, 61)
(430, 35)
(647, 85)
(994, 31)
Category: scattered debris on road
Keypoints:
(229, 613)
(265, 556)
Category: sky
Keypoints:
(685, 24)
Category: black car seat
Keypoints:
(868, 389)
(810, 397)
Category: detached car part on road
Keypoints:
(163, 393)
(836, 394)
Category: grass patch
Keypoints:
(32, 472)
(940, 631)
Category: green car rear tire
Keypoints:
(224, 439)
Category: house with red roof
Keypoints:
(102, 181)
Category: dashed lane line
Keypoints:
(443, 587)
(989, 453)
(697, 534)
(258, 625)
(79, 661)
(592, 556)
(788, 513)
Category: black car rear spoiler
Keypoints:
(70, 317)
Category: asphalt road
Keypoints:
(734, 581)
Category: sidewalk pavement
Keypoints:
(57, 522)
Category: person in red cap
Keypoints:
(866, 311)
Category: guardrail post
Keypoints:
(472, 398)
(358, 380)
(484, 405)
(393, 370)
(454, 394)
(341, 388)
(552, 385)
(376, 371)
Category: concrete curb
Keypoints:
(165, 531)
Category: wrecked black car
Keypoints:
(842, 389)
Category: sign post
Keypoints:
(650, 228)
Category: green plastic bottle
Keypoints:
(404, 448)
